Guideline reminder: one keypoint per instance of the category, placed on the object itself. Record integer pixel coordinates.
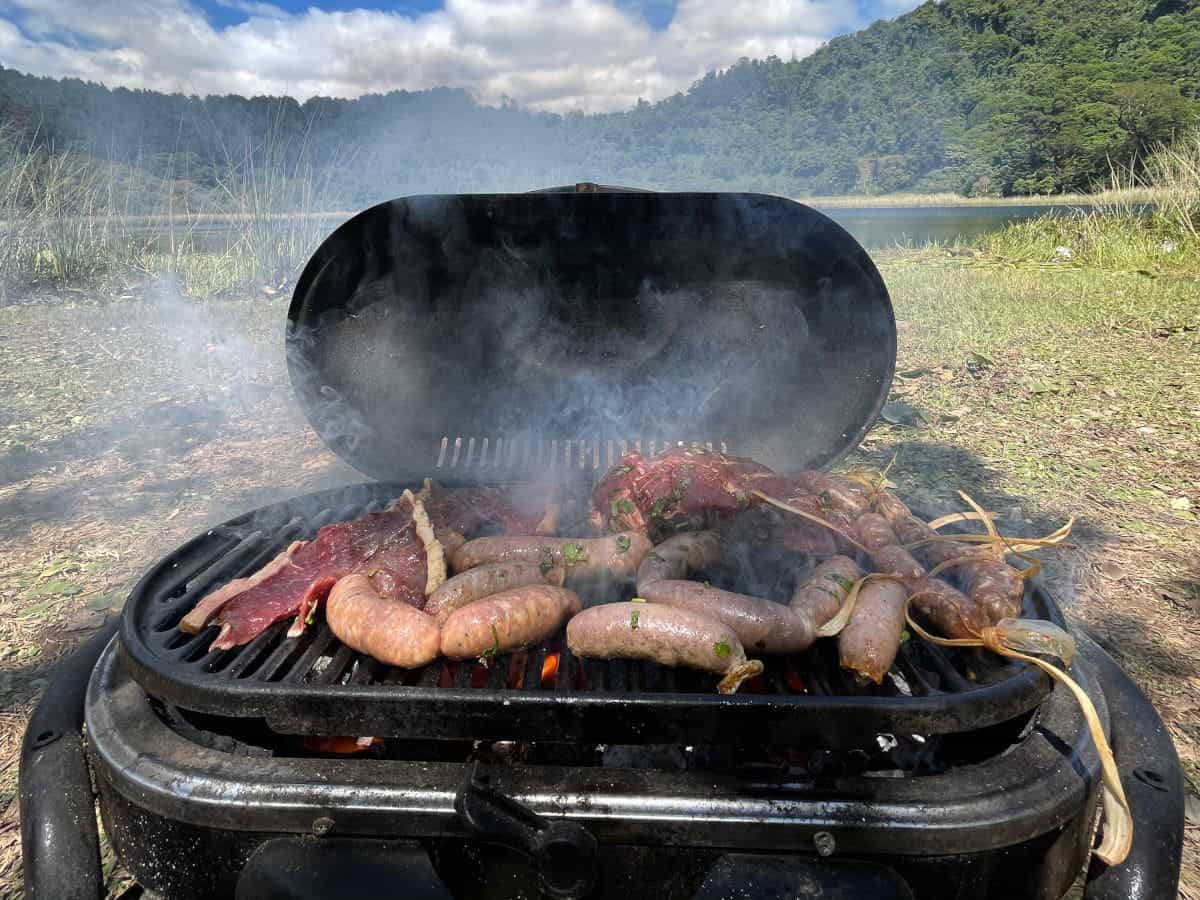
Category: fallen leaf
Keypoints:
(899, 413)
(978, 361)
(1191, 808)
(85, 620)
(1181, 503)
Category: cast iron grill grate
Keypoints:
(315, 685)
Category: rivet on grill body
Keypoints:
(824, 843)
(323, 825)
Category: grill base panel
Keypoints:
(185, 818)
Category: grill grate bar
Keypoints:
(321, 642)
(245, 661)
(337, 665)
(490, 452)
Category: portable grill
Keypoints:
(491, 338)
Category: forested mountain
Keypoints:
(977, 96)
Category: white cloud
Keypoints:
(547, 54)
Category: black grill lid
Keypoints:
(494, 332)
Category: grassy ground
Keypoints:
(129, 424)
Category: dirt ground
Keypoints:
(129, 424)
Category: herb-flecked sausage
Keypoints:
(825, 590)
(663, 634)
(483, 581)
(679, 556)
(507, 621)
(762, 626)
(617, 555)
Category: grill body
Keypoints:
(186, 817)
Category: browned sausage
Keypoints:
(482, 581)
(995, 586)
(679, 556)
(868, 643)
(664, 634)
(762, 626)
(874, 532)
(617, 555)
(507, 621)
(825, 590)
(895, 560)
(992, 584)
(391, 631)
(951, 611)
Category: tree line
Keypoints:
(981, 97)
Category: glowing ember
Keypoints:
(341, 745)
(550, 670)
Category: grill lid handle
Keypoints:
(563, 852)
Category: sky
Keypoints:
(555, 55)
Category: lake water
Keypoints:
(887, 226)
(874, 227)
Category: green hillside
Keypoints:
(974, 96)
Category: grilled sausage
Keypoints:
(664, 634)
(482, 581)
(868, 643)
(951, 611)
(823, 594)
(678, 557)
(617, 555)
(995, 586)
(507, 621)
(391, 631)
(762, 626)
(992, 584)
(873, 531)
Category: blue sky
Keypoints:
(657, 13)
(557, 55)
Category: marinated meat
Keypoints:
(523, 509)
(638, 493)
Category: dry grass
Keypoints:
(126, 429)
